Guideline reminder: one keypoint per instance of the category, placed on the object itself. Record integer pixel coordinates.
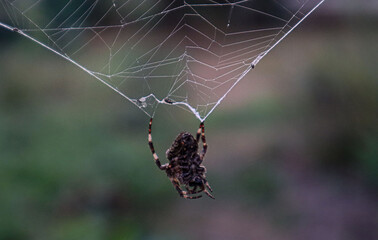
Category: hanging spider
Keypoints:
(184, 167)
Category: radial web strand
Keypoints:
(184, 53)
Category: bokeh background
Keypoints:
(293, 149)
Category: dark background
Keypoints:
(292, 149)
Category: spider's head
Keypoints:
(196, 181)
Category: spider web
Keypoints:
(185, 53)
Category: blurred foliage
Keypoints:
(260, 183)
(346, 98)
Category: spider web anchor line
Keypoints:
(189, 54)
(143, 103)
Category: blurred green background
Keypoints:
(292, 149)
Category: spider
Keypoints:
(184, 167)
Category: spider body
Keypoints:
(185, 167)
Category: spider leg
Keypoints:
(203, 138)
(182, 193)
(193, 190)
(208, 186)
(192, 197)
(202, 168)
(208, 194)
(157, 161)
(190, 191)
(199, 133)
(202, 189)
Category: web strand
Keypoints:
(188, 54)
